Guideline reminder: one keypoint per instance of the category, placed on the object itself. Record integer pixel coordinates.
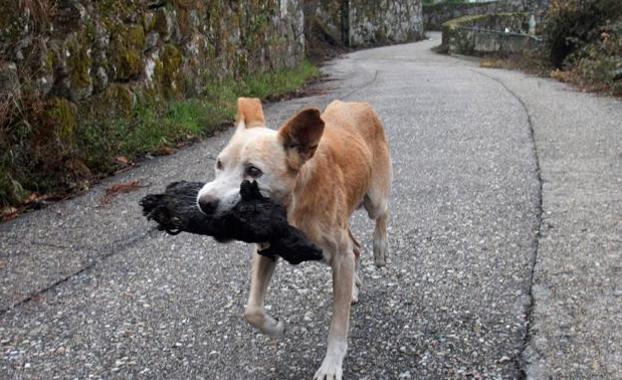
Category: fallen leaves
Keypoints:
(120, 188)
(123, 160)
(490, 63)
(562, 76)
(163, 151)
(34, 201)
(8, 213)
(35, 198)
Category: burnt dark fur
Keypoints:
(254, 219)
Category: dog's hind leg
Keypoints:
(377, 209)
(381, 246)
(356, 249)
(255, 312)
(376, 201)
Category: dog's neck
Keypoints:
(306, 181)
(302, 179)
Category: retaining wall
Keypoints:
(436, 14)
(504, 33)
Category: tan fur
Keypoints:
(351, 155)
(250, 112)
(322, 168)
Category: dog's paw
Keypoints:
(329, 370)
(380, 252)
(266, 324)
(380, 262)
(275, 329)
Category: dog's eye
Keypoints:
(253, 171)
(219, 164)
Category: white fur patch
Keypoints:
(259, 147)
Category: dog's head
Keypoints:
(271, 158)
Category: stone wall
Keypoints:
(360, 23)
(75, 49)
(374, 22)
(78, 50)
(326, 24)
(435, 15)
(503, 33)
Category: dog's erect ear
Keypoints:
(301, 135)
(250, 113)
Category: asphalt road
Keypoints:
(502, 181)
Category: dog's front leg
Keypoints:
(255, 313)
(343, 272)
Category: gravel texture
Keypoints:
(93, 291)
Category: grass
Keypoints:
(102, 146)
(202, 116)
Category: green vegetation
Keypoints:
(583, 46)
(584, 41)
(571, 24)
(55, 148)
(445, 2)
(429, 5)
(516, 21)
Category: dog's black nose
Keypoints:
(208, 204)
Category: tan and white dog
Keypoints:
(321, 168)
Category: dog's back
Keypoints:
(358, 116)
(352, 165)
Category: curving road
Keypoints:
(505, 253)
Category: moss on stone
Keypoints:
(183, 10)
(170, 70)
(79, 64)
(120, 98)
(429, 8)
(487, 19)
(118, 101)
(463, 21)
(135, 36)
(454, 39)
(127, 50)
(60, 117)
(158, 71)
(163, 23)
(119, 9)
(149, 21)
